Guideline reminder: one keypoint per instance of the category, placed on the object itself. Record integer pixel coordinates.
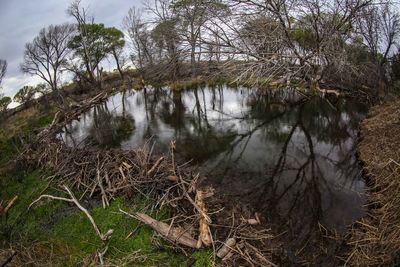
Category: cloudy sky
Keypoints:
(21, 21)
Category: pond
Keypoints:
(292, 158)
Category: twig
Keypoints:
(73, 199)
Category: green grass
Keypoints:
(203, 258)
(64, 232)
(76, 232)
(59, 223)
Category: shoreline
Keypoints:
(87, 103)
(374, 239)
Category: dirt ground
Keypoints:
(375, 240)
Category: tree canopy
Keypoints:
(4, 102)
(46, 55)
(93, 43)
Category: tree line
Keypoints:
(348, 44)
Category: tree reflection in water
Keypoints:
(104, 128)
(289, 158)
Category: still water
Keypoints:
(291, 158)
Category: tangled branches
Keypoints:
(108, 173)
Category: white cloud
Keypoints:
(21, 20)
(11, 85)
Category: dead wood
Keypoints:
(226, 248)
(204, 228)
(10, 203)
(103, 237)
(115, 172)
(175, 235)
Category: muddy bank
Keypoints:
(375, 240)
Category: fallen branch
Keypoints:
(226, 248)
(151, 171)
(10, 203)
(103, 237)
(204, 228)
(172, 234)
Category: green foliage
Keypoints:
(42, 88)
(4, 102)
(94, 42)
(114, 38)
(25, 94)
(82, 239)
(28, 92)
(165, 33)
(7, 151)
(259, 26)
(197, 11)
(304, 37)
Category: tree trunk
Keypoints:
(118, 65)
(193, 60)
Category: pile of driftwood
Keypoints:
(106, 174)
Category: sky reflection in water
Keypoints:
(292, 160)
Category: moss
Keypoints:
(58, 223)
(203, 258)
(20, 222)
(8, 150)
(76, 232)
(155, 84)
(218, 81)
(188, 83)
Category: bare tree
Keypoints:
(297, 41)
(166, 38)
(141, 44)
(46, 54)
(379, 25)
(193, 15)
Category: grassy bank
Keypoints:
(53, 233)
(375, 240)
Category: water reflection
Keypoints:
(104, 128)
(291, 159)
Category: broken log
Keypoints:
(226, 248)
(173, 234)
(204, 227)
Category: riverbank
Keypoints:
(79, 168)
(375, 240)
(54, 233)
